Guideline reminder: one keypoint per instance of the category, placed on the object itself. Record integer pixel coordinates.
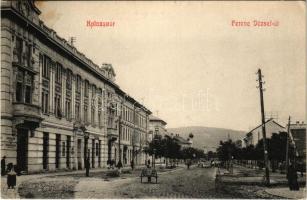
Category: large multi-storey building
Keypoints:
(57, 106)
(132, 118)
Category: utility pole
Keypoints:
(287, 147)
(267, 173)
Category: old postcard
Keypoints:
(153, 99)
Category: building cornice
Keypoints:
(49, 36)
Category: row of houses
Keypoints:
(297, 135)
(57, 106)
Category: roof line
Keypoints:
(260, 125)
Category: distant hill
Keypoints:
(207, 136)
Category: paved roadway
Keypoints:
(180, 183)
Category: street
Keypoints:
(178, 183)
(172, 183)
(181, 183)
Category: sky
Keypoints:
(188, 62)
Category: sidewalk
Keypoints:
(243, 177)
(256, 176)
(285, 192)
(13, 193)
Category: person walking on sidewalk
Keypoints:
(3, 169)
(132, 164)
(292, 178)
(87, 165)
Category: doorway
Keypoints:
(57, 150)
(45, 150)
(85, 151)
(68, 152)
(93, 153)
(22, 149)
(79, 154)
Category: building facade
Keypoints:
(156, 127)
(57, 106)
(298, 139)
(184, 143)
(130, 139)
(253, 136)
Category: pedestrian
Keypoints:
(132, 164)
(189, 163)
(292, 178)
(11, 178)
(148, 162)
(3, 169)
(112, 164)
(87, 165)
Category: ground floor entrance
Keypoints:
(22, 149)
(79, 158)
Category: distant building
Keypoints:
(156, 127)
(184, 143)
(255, 135)
(298, 139)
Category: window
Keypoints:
(78, 98)
(68, 94)
(99, 119)
(28, 54)
(86, 85)
(45, 101)
(86, 92)
(93, 104)
(24, 86)
(78, 84)
(58, 91)
(99, 107)
(68, 109)
(28, 88)
(46, 67)
(63, 149)
(93, 116)
(18, 50)
(57, 106)
(58, 73)
(77, 111)
(97, 149)
(19, 86)
(68, 79)
(85, 114)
